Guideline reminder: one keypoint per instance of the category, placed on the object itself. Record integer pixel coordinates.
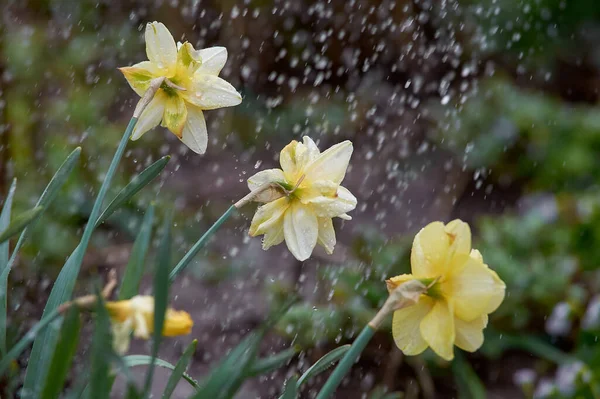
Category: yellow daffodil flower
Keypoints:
(462, 291)
(312, 196)
(136, 315)
(191, 85)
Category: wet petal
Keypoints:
(211, 92)
(265, 176)
(139, 76)
(175, 115)
(331, 164)
(313, 150)
(194, 134)
(301, 230)
(273, 235)
(213, 59)
(326, 236)
(268, 215)
(469, 334)
(437, 329)
(334, 206)
(293, 159)
(474, 288)
(187, 64)
(160, 46)
(406, 327)
(429, 253)
(151, 116)
(460, 237)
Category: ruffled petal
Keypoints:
(311, 147)
(460, 237)
(160, 47)
(293, 159)
(331, 164)
(140, 75)
(429, 253)
(175, 115)
(212, 60)
(195, 134)
(187, 64)
(151, 116)
(265, 176)
(301, 230)
(437, 329)
(333, 206)
(326, 236)
(469, 334)
(268, 215)
(474, 289)
(211, 92)
(406, 327)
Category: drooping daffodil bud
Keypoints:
(461, 292)
(311, 195)
(136, 315)
(191, 84)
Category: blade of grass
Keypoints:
(290, 390)
(323, 363)
(4, 222)
(135, 266)
(161, 295)
(136, 184)
(63, 355)
(62, 290)
(101, 351)
(143, 360)
(272, 363)
(179, 370)
(48, 196)
(469, 384)
(19, 223)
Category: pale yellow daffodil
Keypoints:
(312, 196)
(136, 315)
(191, 85)
(462, 291)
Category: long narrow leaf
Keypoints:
(272, 363)
(63, 356)
(101, 351)
(291, 388)
(143, 360)
(161, 294)
(136, 184)
(179, 370)
(48, 196)
(19, 223)
(62, 290)
(135, 267)
(4, 222)
(323, 363)
(468, 383)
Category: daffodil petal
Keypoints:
(211, 92)
(330, 207)
(311, 147)
(429, 253)
(265, 176)
(326, 237)
(177, 322)
(139, 76)
(301, 230)
(405, 327)
(151, 116)
(268, 215)
(175, 115)
(437, 329)
(187, 64)
(474, 288)
(293, 158)
(194, 134)
(396, 281)
(460, 237)
(213, 59)
(331, 164)
(273, 235)
(160, 46)
(121, 333)
(469, 334)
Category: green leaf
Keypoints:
(272, 363)
(179, 370)
(19, 223)
(469, 385)
(135, 185)
(101, 351)
(161, 294)
(63, 355)
(135, 267)
(4, 222)
(323, 363)
(48, 196)
(290, 390)
(142, 360)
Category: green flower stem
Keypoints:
(187, 258)
(346, 363)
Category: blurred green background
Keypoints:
(482, 110)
